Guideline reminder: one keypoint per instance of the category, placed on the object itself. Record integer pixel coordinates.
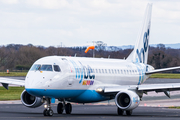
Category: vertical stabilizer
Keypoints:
(140, 52)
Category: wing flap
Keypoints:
(160, 87)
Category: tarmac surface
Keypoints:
(87, 112)
(153, 106)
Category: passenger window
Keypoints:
(46, 68)
(109, 71)
(124, 71)
(102, 71)
(99, 71)
(35, 67)
(56, 68)
(115, 71)
(96, 70)
(112, 71)
(105, 71)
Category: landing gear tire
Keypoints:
(120, 111)
(129, 112)
(45, 112)
(60, 108)
(48, 112)
(68, 108)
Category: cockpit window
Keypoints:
(35, 67)
(46, 68)
(56, 68)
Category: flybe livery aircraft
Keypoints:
(87, 80)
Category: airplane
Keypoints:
(88, 80)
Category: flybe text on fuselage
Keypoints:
(84, 73)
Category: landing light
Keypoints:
(45, 106)
(99, 90)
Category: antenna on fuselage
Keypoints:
(75, 55)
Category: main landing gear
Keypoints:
(121, 112)
(62, 105)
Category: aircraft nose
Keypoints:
(32, 84)
(33, 81)
(39, 80)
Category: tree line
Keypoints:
(21, 57)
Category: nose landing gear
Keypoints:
(48, 111)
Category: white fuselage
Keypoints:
(81, 74)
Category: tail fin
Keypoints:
(140, 52)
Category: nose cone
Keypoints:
(33, 83)
(33, 80)
(37, 82)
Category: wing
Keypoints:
(144, 88)
(160, 87)
(6, 81)
(161, 70)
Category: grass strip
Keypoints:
(166, 75)
(173, 107)
(12, 94)
(14, 74)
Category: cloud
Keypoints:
(116, 22)
(10, 1)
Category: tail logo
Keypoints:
(144, 49)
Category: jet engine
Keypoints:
(30, 101)
(127, 100)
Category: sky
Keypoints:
(79, 22)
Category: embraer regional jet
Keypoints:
(87, 80)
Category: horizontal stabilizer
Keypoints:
(161, 70)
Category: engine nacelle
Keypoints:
(127, 100)
(30, 101)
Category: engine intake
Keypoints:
(30, 101)
(127, 100)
